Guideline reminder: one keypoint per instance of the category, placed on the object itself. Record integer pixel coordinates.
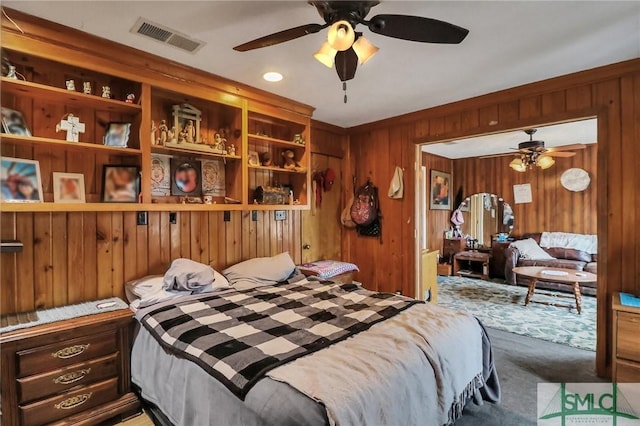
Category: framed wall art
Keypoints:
(160, 175)
(20, 180)
(117, 134)
(213, 179)
(13, 123)
(68, 188)
(120, 184)
(440, 190)
(186, 177)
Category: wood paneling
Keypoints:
(75, 257)
(438, 221)
(611, 94)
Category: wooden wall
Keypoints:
(75, 257)
(438, 221)
(611, 93)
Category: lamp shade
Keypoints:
(364, 49)
(341, 35)
(544, 162)
(517, 165)
(326, 55)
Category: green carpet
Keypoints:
(501, 306)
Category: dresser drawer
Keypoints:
(628, 345)
(53, 382)
(59, 355)
(70, 403)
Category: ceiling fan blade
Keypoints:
(567, 147)
(498, 155)
(416, 28)
(280, 37)
(559, 154)
(346, 63)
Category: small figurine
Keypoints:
(86, 87)
(73, 127)
(71, 85)
(290, 162)
(231, 149)
(164, 130)
(266, 159)
(12, 74)
(106, 92)
(219, 143)
(299, 139)
(171, 134)
(130, 98)
(189, 131)
(154, 133)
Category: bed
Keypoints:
(327, 353)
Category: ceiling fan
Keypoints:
(533, 153)
(345, 47)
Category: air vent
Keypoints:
(166, 35)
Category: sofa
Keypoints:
(556, 257)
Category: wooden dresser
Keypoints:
(626, 343)
(68, 372)
(451, 246)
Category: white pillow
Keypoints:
(529, 249)
(260, 271)
(150, 288)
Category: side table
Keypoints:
(471, 263)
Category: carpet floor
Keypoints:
(501, 306)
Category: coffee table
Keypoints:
(571, 276)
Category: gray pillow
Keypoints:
(260, 271)
(188, 275)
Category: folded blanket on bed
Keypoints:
(237, 336)
(424, 343)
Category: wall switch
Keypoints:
(280, 215)
(173, 218)
(142, 218)
(254, 215)
(227, 216)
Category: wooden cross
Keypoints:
(73, 127)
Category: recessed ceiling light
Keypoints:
(272, 76)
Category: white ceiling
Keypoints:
(583, 131)
(509, 44)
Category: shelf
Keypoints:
(79, 146)
(276, 169)
(58, 95)
(132, 207)
(278, 142)
(159, 149)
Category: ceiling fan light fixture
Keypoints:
(518, 165)
(364, 49)
(544, 162)
(326, 55)
(341, 35)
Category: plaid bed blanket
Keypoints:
(238, 336)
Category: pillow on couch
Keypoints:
(567, 253)
(529, 249)
(260, 271)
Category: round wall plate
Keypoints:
(575, 179)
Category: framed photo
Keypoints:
(68, 187)
(186, 177)
(254, 158)
(117, 134)
(20, 180)
(160, 175)
(213, 180)
(13, 123)
(440, 191)
(120, 184)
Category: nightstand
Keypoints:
(73, 371)
(626, 343)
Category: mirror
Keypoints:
(486, 216)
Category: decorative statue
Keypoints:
(171, 135)
(71, 85)
(130, 98)
(266, 159)
(189, 132)
(164, 130)
(290, 162)
(106, 92)
(154, 132)
(86, 87)
(12, 74)
(231, 149)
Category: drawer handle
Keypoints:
(73, 402)
(72, 377)
(70, 352)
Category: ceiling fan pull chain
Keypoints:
(344, 87)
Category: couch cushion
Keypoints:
(553, 263)
(529, 249)
(591, 267)
(566, 253)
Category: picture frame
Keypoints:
(213, 177)
(13, 123)
(440, 190)
(160, 175)
(120, 184)
(116, 134)
(186, 177)
(253, 158)
(20, 180)
(68, 188)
